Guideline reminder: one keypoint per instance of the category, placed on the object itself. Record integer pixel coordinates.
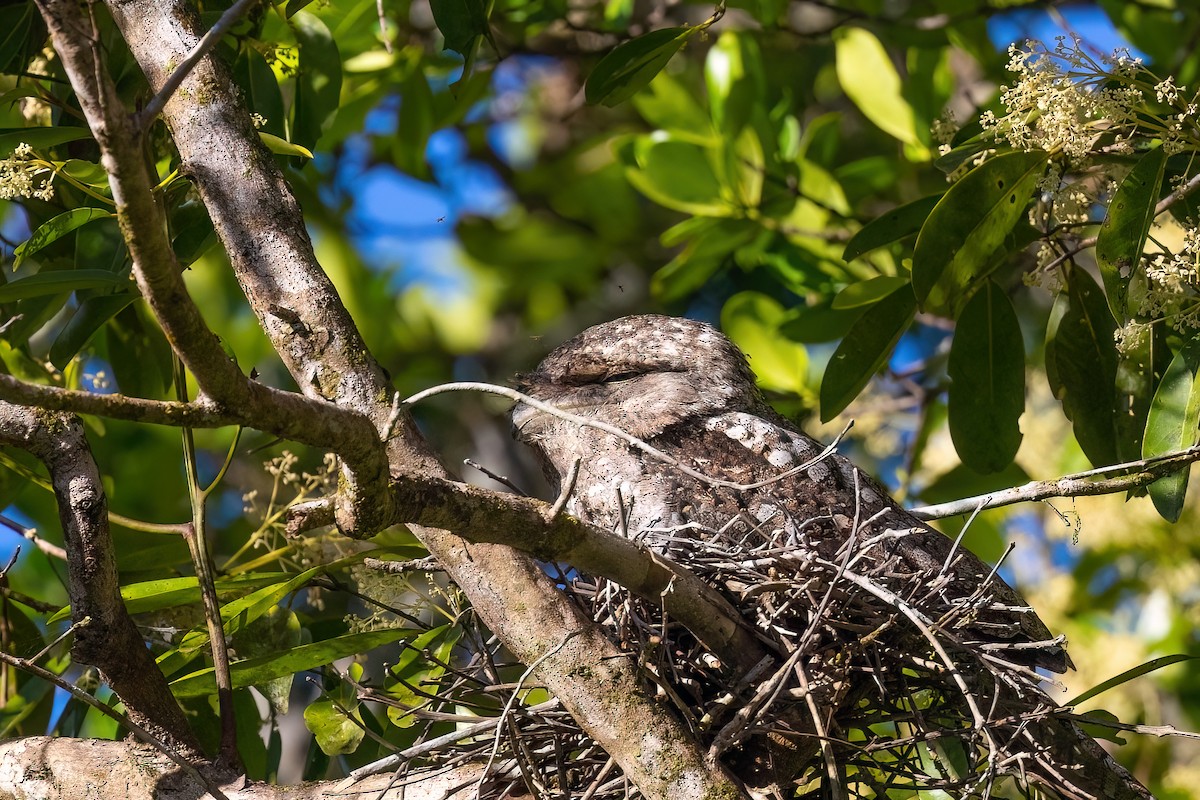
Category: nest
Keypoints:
(871, 683)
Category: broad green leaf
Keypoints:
(59, 281)
(39, 138)
(260, 86)
(820, 323)
(987, 381)
(414, 675)
(1081, 364)
(678, 175)
(55, 228)
(336, 733)
(870, 80)
(748, 167)
(138, 352)
(1122, 237)
(633, 64)
(163, 593)
(864, 293)
(1141, 362)
(462, 23)
(276, 631)
(865, 350)
(89, 173)
(318, 80)
(707, 253)
(955, 246)
(1174, 424)
(733, 73)
(901, 221)
(751, 319)
(91, 315)
(667, 104)
(282, 146)
(259, 670)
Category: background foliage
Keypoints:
(483, 180)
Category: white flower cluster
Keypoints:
(1064, 100)
(1173, 284)
(18, 173)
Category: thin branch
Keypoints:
(206, 43)
(1080, 484)
(645, 447)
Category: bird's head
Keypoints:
(641, 374)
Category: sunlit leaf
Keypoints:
(870, 80)
(1122, 237)
(417, 671)
(1174, 424)
(282, 146)
(733, 73)
(39, 138)
(865, 350)
(955, 246)
(679, 175)
(1152, 665)
(633, 64)
(751, 319)
(987, 381)
(55, 228)
(256, 671)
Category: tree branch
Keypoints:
(1081, 484)
(109, 641)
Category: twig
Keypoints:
(1145, 471)
(466, 732)
(584, 422)
(206, 43)
(31, 534)
(568, 486)
(497, 477)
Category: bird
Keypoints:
(713, 460)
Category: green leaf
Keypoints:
(751, 319)
(968, 225)
(869, 291)
(260, 87)
(733, 73)
(820, 323)
(163, 593)
(138, 352)
(259, 670)
(871, 82)
(282, 146)
(893, 226)
(1141, 363)
(91, 315)
(59, 281)
(708, 251)
(55, 228)
(415, 126)
(318, 80)
(275, 631)
(419, 666)
(1128, 675)
(633, 64)
(462, 23)
(337, 733)
(679, 175)
(39, 138)
(865, 350)
(89, 173)
(987, 381)
(1174, 424)
(1122, 237)
(1081, 364)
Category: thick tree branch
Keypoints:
(49, 768)
(260, 224)
(109, 640)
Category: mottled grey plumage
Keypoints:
(686, 389)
